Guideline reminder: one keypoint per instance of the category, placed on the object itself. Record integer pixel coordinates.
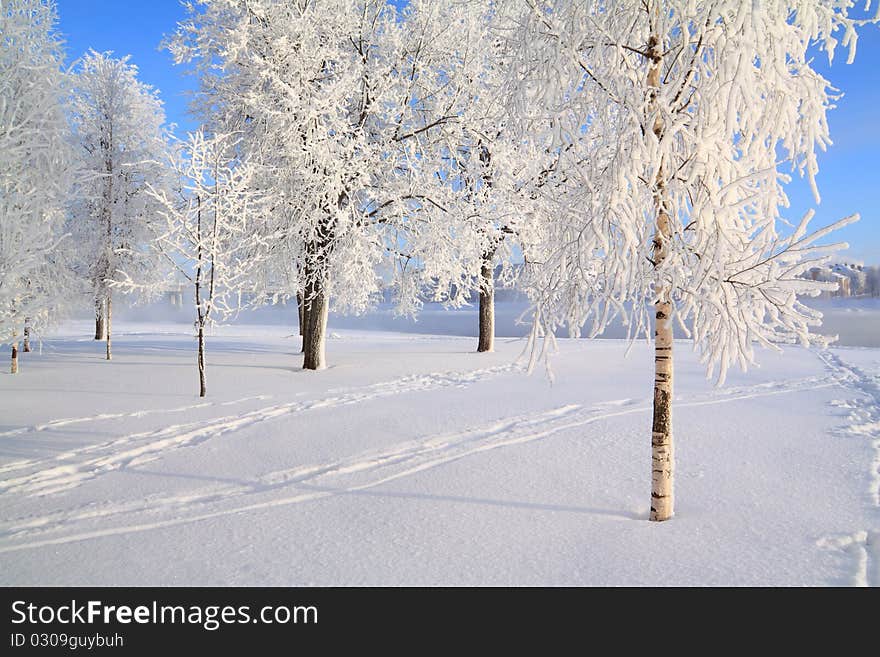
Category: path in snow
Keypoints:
(73, 467)
(311, 482)
(63, 422)
(863, 546)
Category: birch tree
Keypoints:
(210, 233)
(120, 140)
(681, 122)
(34, 169)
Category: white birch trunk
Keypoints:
(662, 454)
(27, 336)
(662, 461)
(14, 366)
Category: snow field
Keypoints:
(412, 460)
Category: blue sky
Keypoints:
(849, 177)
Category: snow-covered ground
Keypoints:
(412, 460)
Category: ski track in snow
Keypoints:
(72, 468)
(350, 475)
(55, 424)
(862, 546)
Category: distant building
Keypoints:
(851, 279)
(856, 276)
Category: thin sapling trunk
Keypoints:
(109, 326)
(203, 309)
(202, 386)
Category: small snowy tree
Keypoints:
(34, 169)
(677, 119)
(117, 122)
(872, 280)
(210, 233)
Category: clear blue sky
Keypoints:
(849, 178)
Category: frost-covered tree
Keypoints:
(210, 233)
(341, 101)
(872, 280)
(495, 177)
(484, 160)
(34, 169)
(120, 142)
(681, 121)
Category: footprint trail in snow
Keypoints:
(863, 545)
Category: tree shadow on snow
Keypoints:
(511, 504)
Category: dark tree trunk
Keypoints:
(487, 307)
(202, 388)
(315, 298)
(100, 332)
(315, 333)
(109, 326)
(301, 313)
(27, 336)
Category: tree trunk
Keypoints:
(305, 335)
(316, 302)
(100, 332)
(14, 368)
(202, 389)
(662, 455)
(315, 334)
(301, 313)
(109, 325)
(487, 307)
(27, 336)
